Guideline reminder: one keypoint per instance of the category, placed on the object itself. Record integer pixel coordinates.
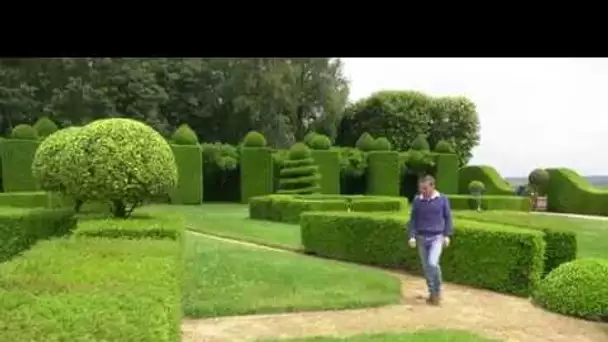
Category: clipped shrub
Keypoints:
(366, 142)
(382, 144)
(17, 156)
(257, 173)
(122, 161)
(569, 192)
(384, 173)
(539, 180)
(299, 151)
(254, 139)
(24, 132)
(577, 288)
(328, 162)
(144, 227)
(444, 147)
(45, 127)
(189, 161)
(476, 187)
(446, 173)
(309, 137)
(299, 174)
(184, 135)
(53, 158)
(419, 162)
(420, 143)
(220, 169)
(320, 142)
(30, 199)
(490, 202)
(495, 184)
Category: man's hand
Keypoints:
(446, 241)
(412, 242)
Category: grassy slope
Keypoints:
(420, 336)
(222, 278)
(592, 235)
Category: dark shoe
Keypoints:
(434, 299)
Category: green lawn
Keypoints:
(232, 221)
(222, 278)
(592, 235)
(421, 336)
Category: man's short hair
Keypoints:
(427, 179)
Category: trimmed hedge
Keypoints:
(469, 202)
(134, 228)
(446, 173)
(189, 160)
(25, 199)
(256, 172)
(93, 290)
(577, 288)
(329, 169)
(561, 244)
(287, 208)
(20, 229)
(384, 173)
(495, 257)
(495, 184)
(568, 192)
(17, 157)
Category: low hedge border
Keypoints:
(137, 227)
(561, 244)
(490, 202)
(20, 229)
(495, 257)
(287, 208)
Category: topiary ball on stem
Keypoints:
(254, 139)
(24, 132)
(184, 135)
(539, 180)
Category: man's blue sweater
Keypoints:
(430, 216)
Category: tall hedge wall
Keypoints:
(568, 192)
(446, 174)
(495, 184)
(256, 172)
(189, 188)
(17, 157)
(384, 173)
(329, 169)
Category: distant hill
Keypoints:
(599, 181)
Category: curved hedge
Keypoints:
(287, 208)
(568, 192)
(495, 184)
(485, 255)
(509, 203)
(577, 288)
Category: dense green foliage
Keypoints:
(45, 127)
(476, 187)
(20, 229)
(30, 199)
(254, 139)
(499, 258)
(443, 146)
(320, 142)
(140, 227)
(495, 184)
(299, 174)
(383, 173)
(366, 142)
(184, 135)
(420, 143)
(17, 157)
(256, 173)
(382, 144)
(53, 159)
(418, 336)
(577, 288)
(329, 170)
(189, 160)
(446, 173)
(24, 132)
(221, 177)
(403, 115)
(568, 192)
(539, 180)
(490, 202)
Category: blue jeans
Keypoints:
(430, 248)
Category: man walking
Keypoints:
(430, 228)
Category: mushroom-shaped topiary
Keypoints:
(45, 127)
(577, 288)
(254, 139)
(539, 180)
(121, 161)
(382, 144)
(184, 135)
(320, 142)
(24, 132)
(420, 143)
(444, 147)
(477, 187)
(366, 142)
(299, 174)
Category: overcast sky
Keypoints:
(537, 112)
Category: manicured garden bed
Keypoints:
(421, 336)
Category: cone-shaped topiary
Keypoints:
(45, 127)
(320, 142)
(382, 144)
(184, 135)
(577, 288)
(299, 174)
(24, 132)
(444, 147)
(254, 139)
(420, 143)
(366, 142)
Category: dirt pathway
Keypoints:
(483, 312)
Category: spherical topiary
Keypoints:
(122, 161)
(53, 160)
(299, 151)
(476, 187)
(419, 162)
(320, 142)
(444, 147)
(539, 180)
(308, 138)
(382, 144)
(184, 135)
(254, 139)
(45, 127)
(420, 143)
(577, 288)
(24, 132)
(366, 142)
